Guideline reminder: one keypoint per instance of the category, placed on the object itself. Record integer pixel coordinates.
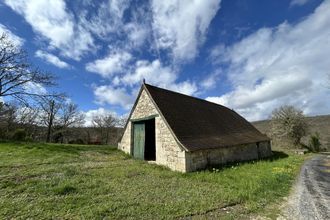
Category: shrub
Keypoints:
(29, 139)
(314, 142)
(19, 135)
(77, 141)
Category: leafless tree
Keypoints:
(17, 74)
(27, 115)
(28, 118)
(122, 121)
(105, 125)
(69, 116)
(289, 123)
(49, 110)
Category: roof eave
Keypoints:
(227, 146)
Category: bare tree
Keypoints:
(17, 74)
(98, 125)
(122, 121)
(105, 124)
(69, 116)
(289, 123)
(28, 118)
(49, 110)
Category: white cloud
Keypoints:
(95, 112)
(154, 72)
(18, 41)
(35, 88)
(157, 74)
(107, 21)
(284, 65)
(210, 81)
(52, 59)
(136, 33)
(298, 2)
(105, 18)
(51, 20)
(115, 62)
(185, 87)
(217, 53)
(181, 25)
(113, 96)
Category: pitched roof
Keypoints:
(199, 124)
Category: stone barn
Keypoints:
(187, 134)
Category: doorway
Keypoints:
(144, 140)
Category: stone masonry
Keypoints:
(168, 151)
(202, 159)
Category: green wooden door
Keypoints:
(139, 140)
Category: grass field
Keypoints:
(71, 181)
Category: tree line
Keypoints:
(30, 113)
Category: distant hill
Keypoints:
(320, 124)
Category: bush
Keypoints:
(29, 139)
(314, 142)
(77, 141)
(19, 135)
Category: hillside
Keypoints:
(320, 124)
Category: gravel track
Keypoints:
(311, 196)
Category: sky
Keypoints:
(249, 55)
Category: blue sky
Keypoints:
(250, 55)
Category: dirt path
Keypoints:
(311, 196)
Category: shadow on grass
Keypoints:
(65, 190)
(275, 156)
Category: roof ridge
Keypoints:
(189, 96)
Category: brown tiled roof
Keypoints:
(199, 124)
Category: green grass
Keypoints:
(74, 181)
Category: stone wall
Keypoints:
(264, 149)
(199, 160)
(168, 151)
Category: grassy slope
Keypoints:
(320, 124)
(47, 181)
